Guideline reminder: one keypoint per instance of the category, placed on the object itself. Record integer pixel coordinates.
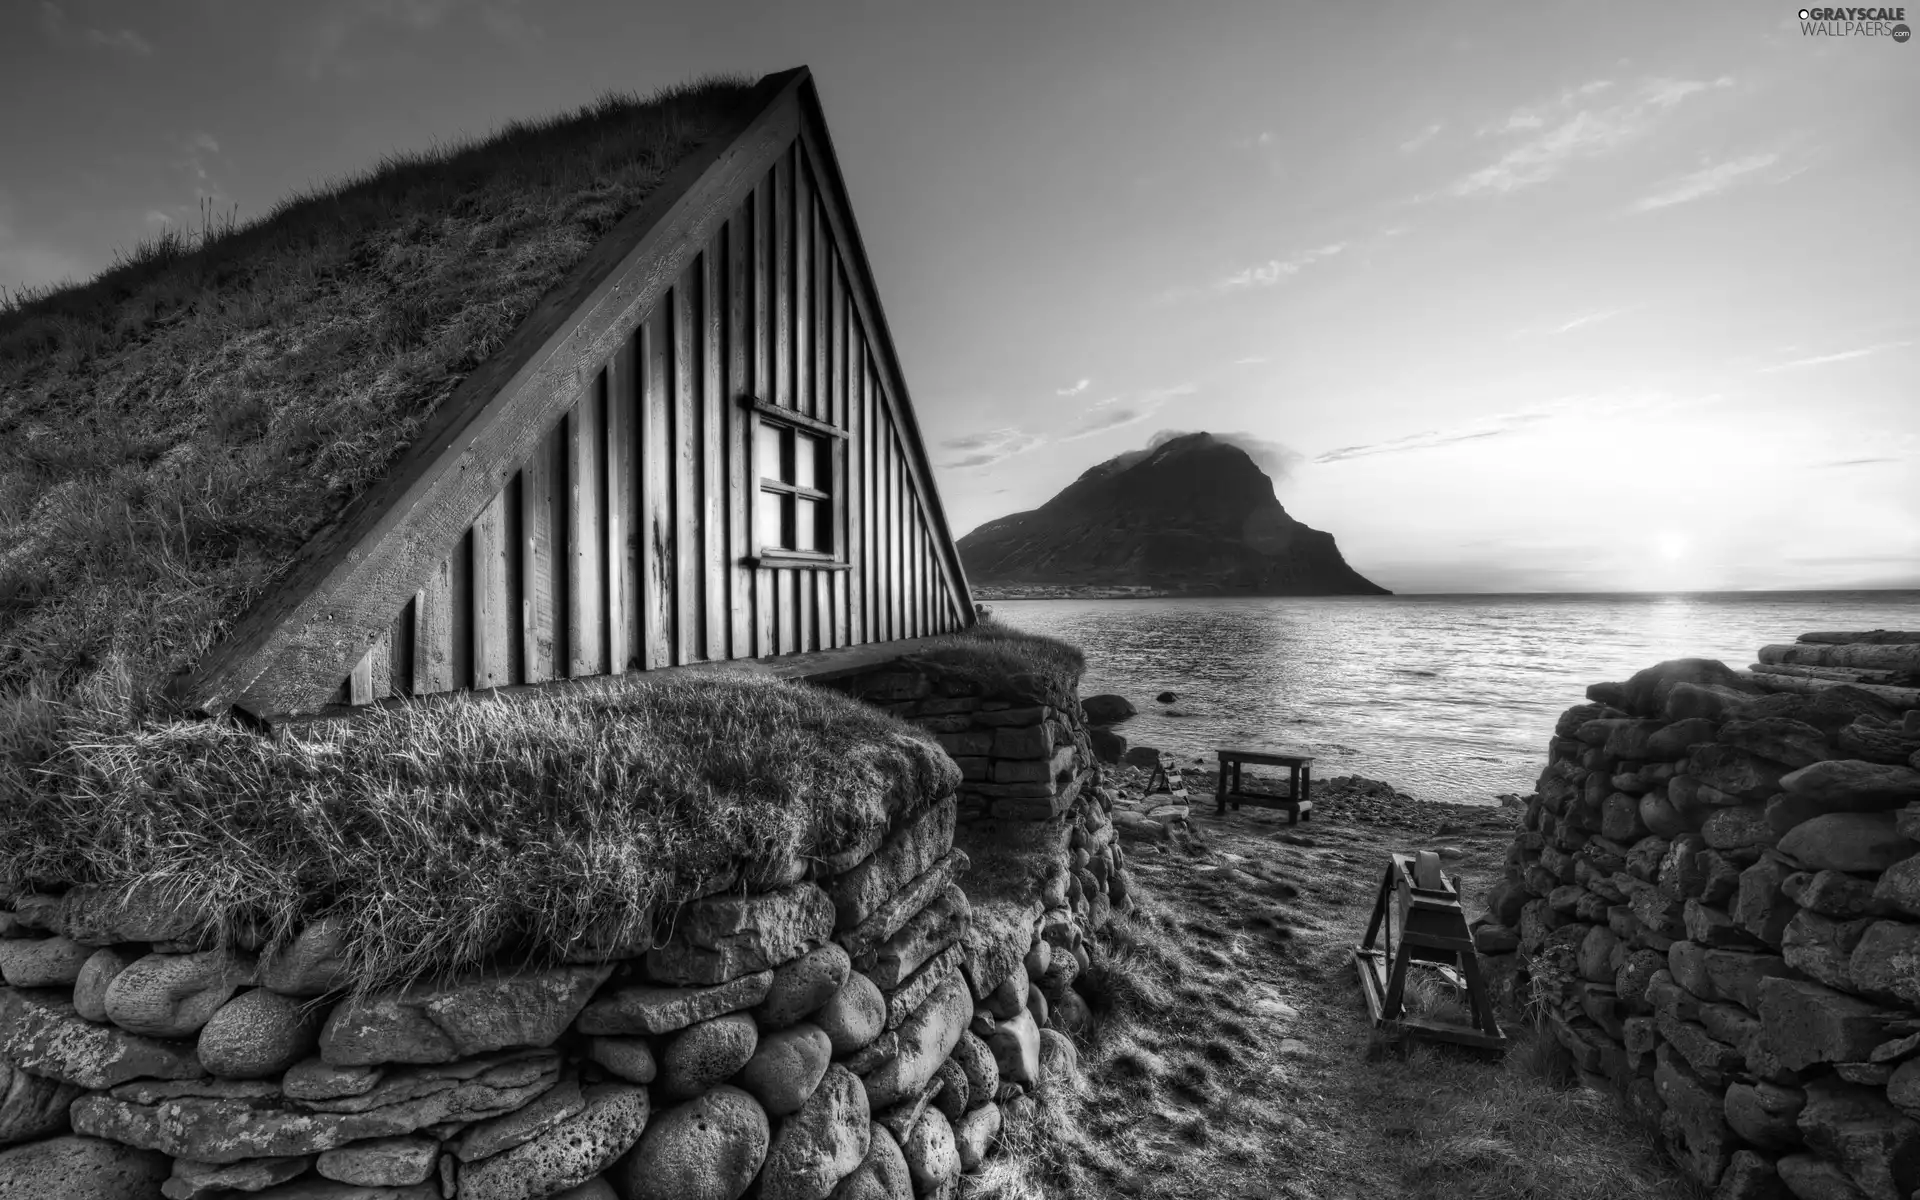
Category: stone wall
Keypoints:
(1021, 744)
(1715, 901)
(852, 1033)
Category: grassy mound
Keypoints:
(444, 835)
(1004, 660)
(171, 432)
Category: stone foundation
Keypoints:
(853, 1033)
(1715, 900)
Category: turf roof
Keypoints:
(173, 431)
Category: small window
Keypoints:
(798, 504)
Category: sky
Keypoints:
(1554, 297)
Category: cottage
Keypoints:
(698, 447)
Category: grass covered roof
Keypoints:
(174, 430)
(441, 836)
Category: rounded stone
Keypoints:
(172, 995)
(707, 1053)
(787, 1066)
(932, 1158)
(566, 1156)
(803, 985)
(96, 974)
(854, 1016)
(630, 1059)
(974, 1134)
(1010, 996)
(1039, 959)
(596, 1188)
(42, 962)
(1038, 1007)
(83, 1167)
(258, 1034)
(822, 1143)
(381, 1162)
(881, 1175)
(31, 1106)
(1071, 1013)
(983, 1074)
(706, 1149)
(956, 1091)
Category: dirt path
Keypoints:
(1234, 1057)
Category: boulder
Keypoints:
(382, 1162)
(43, 1035)
(1646, 692)
(390, 1028)
(900, 911)
(484, 1139)
(312, 964)
(81, 1168)
(96, 975)
(926, 934)
(721, 938)
(854, 1016)
(1750, 1176)
(202, 1181)
(31, 1107)
(820, 1144)
(925, 1040)
(1810, 1177)
(706, 1149)
(1851, 785)
(1820, 947)
(1107, 745)
(952, 1092)
(625, 1058)
(1861, 842)
(1833, 894)
(644, 1008)
(42, 962)
(1876, 1144)
(983, 1072)
(803, 985)
(1765, 1114)
(788, 1065)
(1809, 1023)
(881, 1175)
(1144, 757)
(1743, 828)
(173, 995)
(1010, 997)
(1734, 772)
(1016, 1050)
(932, 1158)
(1737, 974)
(1899, 886)
(566, 1155)
(1782, 740)
(902, 1000)
(1886, 960)
(974, 1135)
(1106, 708)
(1760, 907)
(710, 1052)
(257, 1034)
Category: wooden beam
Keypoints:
(737, 427)
(490, 611)
(656, 453)
(621, 573)
(586, 565)
(293, 647)
(433, 633)
(711, 452)
(689, 371)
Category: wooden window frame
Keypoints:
(762, 555)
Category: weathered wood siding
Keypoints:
(622, 544)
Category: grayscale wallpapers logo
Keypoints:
(1855, 22)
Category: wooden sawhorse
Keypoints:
(1298, 802)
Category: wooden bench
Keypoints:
(1297, 802)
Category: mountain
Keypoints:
(1192, 516)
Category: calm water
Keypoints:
(1445, 697)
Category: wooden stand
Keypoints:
(1419, 915)
(1297, 802)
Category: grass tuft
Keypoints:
(1006, 661)
(445, 836)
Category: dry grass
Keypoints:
(444, 836)
(1231, 1055)
(172, 431)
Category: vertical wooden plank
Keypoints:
(433, 632)
(490, 630)
(689, 611)
(789, 610)
(656, 483)
(739, 428)
(618, 503)
(767, 343)
(400, 641)
(512, 545)
(897, 536)
(460, 611)
(869, 487)
(842, 485)
(586, 568)
(822, 314)
(542, 575)
(805, 349)
(782, 281)
(823, 637)
(360, 680)
(712, 455)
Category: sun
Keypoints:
(1670, 545)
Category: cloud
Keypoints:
(1704, 182)
(347, 38)
(1496, 426)
(1118, 412)
(62, 30)
(1592, 318)
(1251, 360)
(1566, 130)
(1841, 356)
(1075, 390)
(1274, 270)
(1277, 460)
(1859, 462)
(985, 449)
(1422, 138)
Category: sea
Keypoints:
(1445, 697)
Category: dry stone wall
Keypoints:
(850, 1033)
(1715, 901)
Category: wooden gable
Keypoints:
(589, 501)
